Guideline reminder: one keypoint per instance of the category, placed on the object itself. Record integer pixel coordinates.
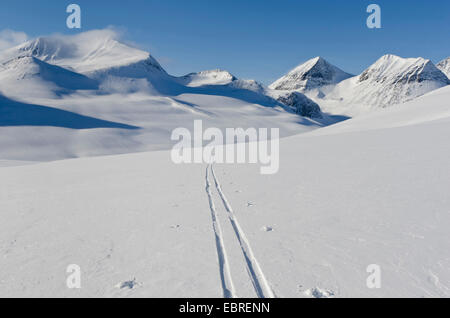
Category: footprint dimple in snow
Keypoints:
(177, 226)
(131, 284)
(433, 279)
(319, 293)
(267, 229)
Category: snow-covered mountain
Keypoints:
(119, 68)
(211, 77)
(390, 80)
(120, 99)
(93, 74)
(300, 103)
(313, 74)
(444, 66)
(96, 54)
(86, 53)
(39, 79)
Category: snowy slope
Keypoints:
(27, 75)
(433, 106)
(140, 226)
(444, 66)
(212, 77)
(389, 81)
(313, 74)
(141, 122)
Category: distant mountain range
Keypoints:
(51, 65)
(390, 80)
(89, 94)
(98, 82)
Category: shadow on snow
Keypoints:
(13, 113)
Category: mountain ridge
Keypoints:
(389, 81)
(98, 56)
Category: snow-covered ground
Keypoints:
(86, 124)
(87, 178)
(371, 190)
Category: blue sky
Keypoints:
(258, 39)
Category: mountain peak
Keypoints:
(316, 60)
(395, 69)
(444, 66)
(85, 53)
(209, 77)
(314, 73)
(389, 81)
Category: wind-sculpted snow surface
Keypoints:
(363, 193)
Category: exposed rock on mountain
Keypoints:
(444, 66)
(301, 104)
(212, 77)
(313, 74)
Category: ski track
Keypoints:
(225, 274)
(259, 281)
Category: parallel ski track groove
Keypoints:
(225, 274)
(259, 281)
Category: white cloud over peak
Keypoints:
(11, 38)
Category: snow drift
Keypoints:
(141, 226)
